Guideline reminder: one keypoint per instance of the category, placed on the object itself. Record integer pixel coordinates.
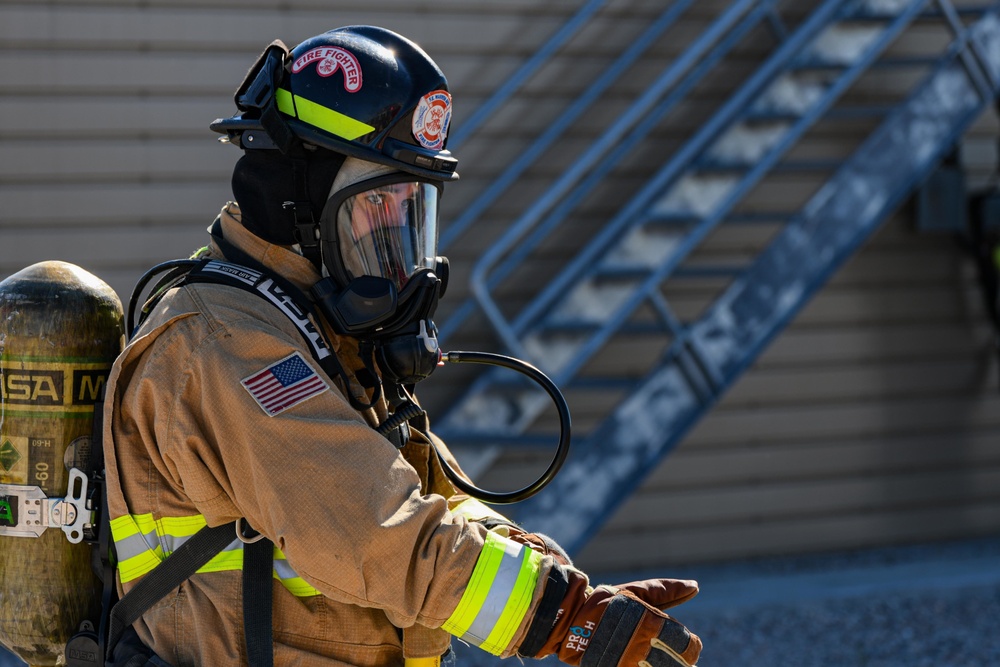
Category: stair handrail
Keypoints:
(510, 174)
(510, 332)
(694, 236)
(528, 69)
(608, 140)
(587, 511)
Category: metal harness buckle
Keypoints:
(25, 511)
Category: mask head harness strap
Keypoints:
(257, 96)
(306, 227)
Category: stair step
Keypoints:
(750, 217)
(671, 219)
(812, 64)
(807, 165)
(620, 272)
(717, 166)
(859, 111)
(722, 167)
(893, 62)
(602, 383)
(710, 270)
(636, 273)
(765, 116)
(759, 217)
(864, 14)
(581, 327)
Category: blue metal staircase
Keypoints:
(608, 290)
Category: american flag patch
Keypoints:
(283, 384)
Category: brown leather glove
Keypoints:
(613, 626)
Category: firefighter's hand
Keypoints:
(623, 626)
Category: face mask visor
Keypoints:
(385, 227)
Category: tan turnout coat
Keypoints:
(365, 524)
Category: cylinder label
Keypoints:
(51, 387)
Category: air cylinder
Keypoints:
(61, 329)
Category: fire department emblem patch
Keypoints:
(431, 118)
(329, 59)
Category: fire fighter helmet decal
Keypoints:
(328, 59)
(431, 119)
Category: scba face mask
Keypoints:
(385, 227)
(384, 278)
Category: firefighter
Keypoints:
(220, 409)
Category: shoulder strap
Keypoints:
(175, 269)
(258, 582)
(292, 302)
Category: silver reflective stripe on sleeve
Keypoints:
(498, 595)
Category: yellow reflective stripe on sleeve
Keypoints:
(477, 589)
(517, 605)
(497, 596)
(320, 116)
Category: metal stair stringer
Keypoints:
(610, 465)
(496, 410)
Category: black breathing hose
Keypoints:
(408, 409)
(565, 428)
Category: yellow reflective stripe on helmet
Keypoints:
(497, 596)
(136, 535)
(320, 116)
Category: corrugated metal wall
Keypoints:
(104, 110)
(874, 419)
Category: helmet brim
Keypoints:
(402, 156)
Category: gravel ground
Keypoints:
(932, 604)
(914, 606)
(955, 628)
